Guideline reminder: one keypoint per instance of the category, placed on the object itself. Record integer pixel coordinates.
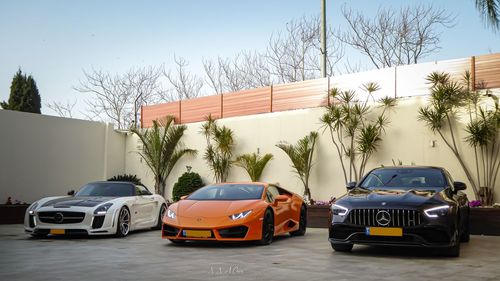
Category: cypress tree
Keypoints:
(24, 94)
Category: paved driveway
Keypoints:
(144, 256)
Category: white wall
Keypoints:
(47, 156)
(406, 139)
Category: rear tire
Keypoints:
(123, 226)
(267, 228)
(163, 210)
(302, 223)
(342, 247)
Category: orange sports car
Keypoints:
(236, 212)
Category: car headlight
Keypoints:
(439, 211)
(240, 215)
(171, 214)
(32, 208)
(103, 209)
(338, 210)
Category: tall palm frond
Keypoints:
(490, 12)
(162, 148)
(253, 164)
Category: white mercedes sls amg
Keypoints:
(98, 208)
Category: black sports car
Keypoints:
(407, 206)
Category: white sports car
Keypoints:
(98, 208)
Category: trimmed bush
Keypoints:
(128, 178)
(186, 184)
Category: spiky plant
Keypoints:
(162, 148)
(353, 130)
(301, 154)
(219, 151)
(253, 164)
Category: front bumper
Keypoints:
(422, 236)
(90, 225)
(238, 231)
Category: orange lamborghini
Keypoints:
(236, 212)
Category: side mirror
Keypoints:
(71, 192)
(459, 186)
(281, 198)
(184, 197)
(351, 185)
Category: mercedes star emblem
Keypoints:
(383, 218)
(58, 218)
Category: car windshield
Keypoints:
(228, 192)
(111, 189)
(405, 179)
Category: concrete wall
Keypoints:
(406, 139)
(47, 156)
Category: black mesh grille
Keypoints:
(31, 221)
(234, 232)
(169, 230)
(396, 217)
(61, 217)
(97, 222)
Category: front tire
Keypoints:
(267, 228)
(163, 209)
(123, 226)
(302, 223)
(342, 247)
(465, 237)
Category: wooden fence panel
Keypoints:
(195, 110)
(488, 71)
(153, 112)
(306, 94)
(247, 102)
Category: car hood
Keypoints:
(359, 197)
(211, 209)
(71, 201)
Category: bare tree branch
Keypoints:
(62, 109)
(185, 84)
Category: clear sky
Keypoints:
(55, 40)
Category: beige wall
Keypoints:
(406, 139)
(47, 156)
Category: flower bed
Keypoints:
(318, 216)
(12, 214)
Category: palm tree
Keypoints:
(219, 151)
(301, 155)
(490, 11)
(254, 164)
(162, 149)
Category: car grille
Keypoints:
(61, 217)
(397, 217)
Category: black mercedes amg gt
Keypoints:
(407, 206)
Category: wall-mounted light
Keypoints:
(433, 143)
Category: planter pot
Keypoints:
(318, 216)
(484, 221)
(12, 214)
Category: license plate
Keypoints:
(384, 231)
(57, 231)
(197, 233)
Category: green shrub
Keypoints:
(128, 178)
(186, 184)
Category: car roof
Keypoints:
(114, 182)
(242, 183)
(409, 167)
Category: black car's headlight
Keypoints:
(439, 211)
(171, 214)
(240, 215)
(338, 210)
(103, 209)
(32, 208)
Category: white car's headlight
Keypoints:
(439, 211)
(240, 215)
(171, 214)
(338, 210)
(32, 208)
(103, 209)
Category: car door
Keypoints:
(281, 209)
(461, 199)
(142, 209)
